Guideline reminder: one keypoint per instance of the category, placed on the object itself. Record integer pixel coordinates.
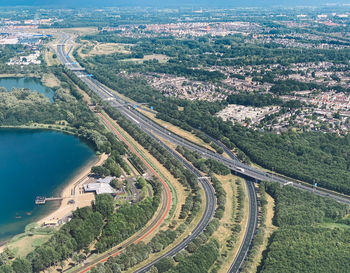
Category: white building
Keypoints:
(100, 186)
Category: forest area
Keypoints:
(201, 51)
(68, 112)
(312, 235)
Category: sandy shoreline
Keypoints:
(73, 191)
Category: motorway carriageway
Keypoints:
(121, 105)
(247, 171)
(252, 223)
(209, 196)
(150, 127)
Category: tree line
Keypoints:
(253, 99)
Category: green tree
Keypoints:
(117, 184)
(100, 171)
(141, 182)
(4, 259)
(6, 269)
(153, 269)
(164, 264)
(104, 204)
(21, 266)
(99, 268)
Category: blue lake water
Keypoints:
(34, 163)
(30, 83)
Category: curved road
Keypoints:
(250, 231)
(150, 126)
(208, 189)
(165, 208)
(135, 117)
(233, 163)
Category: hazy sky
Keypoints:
(170, 3)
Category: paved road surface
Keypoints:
(233, 163)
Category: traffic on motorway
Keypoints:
(208, 189)
(155, 130)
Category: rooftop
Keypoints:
(107, 179)
(99, 188)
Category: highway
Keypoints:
(208, 214)
(150, 126)
(250, 231)
(233, 163)
(210, 198)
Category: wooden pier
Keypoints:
(41, 200)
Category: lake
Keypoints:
(34, 163)
(33, 84)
